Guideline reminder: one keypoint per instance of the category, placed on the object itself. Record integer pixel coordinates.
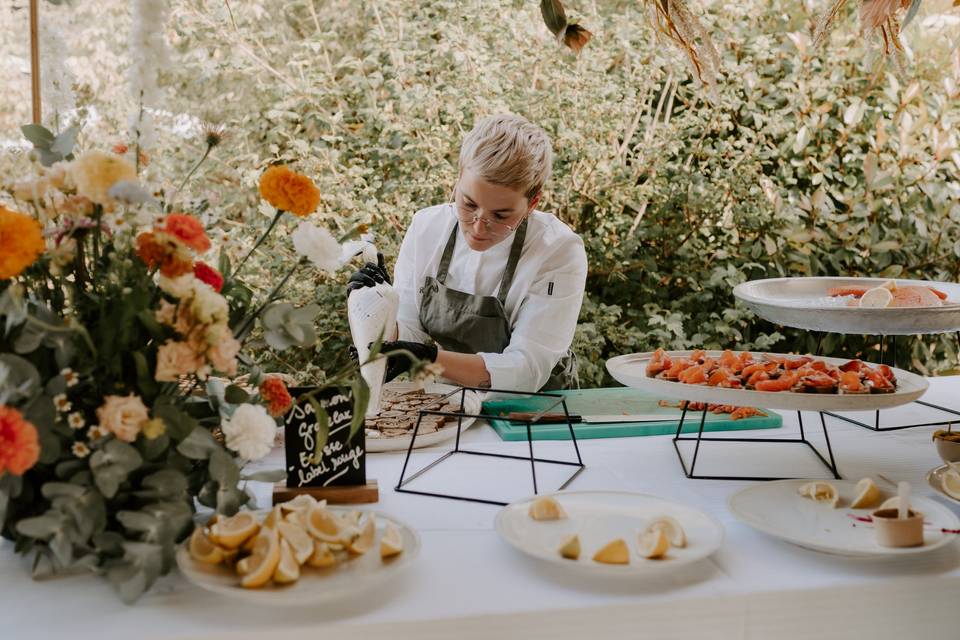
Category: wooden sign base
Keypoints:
(349, 494)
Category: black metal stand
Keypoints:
(460, 415)
(831, 466)
(876, 417)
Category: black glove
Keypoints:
(369, 275)
(401, 362)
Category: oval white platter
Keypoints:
(805, 304)
(776, 509)
(472, 405)
(935, 480)
(349, 578)
(598, 517)
(631, 370)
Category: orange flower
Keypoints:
(19, 442)
(187, 230)
(21, 242)
(289, 191)
(275, 393)
(166, 256)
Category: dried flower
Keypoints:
(19, 442)
(213, 135)
(21, 242)
(289, 191)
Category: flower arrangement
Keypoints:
(117, 346)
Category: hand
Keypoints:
(401, 362)
(369, 275)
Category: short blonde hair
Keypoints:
(508, 150)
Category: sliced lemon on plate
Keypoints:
(364, 542)
(299, 540)
(654, 544)
(275, 516)
(547, 508)
(820, 491)
(876, 298)
(232, 532)
(391, 544)
(868, 493)
(570, 547)
(298, 518)
(615, 552)
(671, 528)
(301, 502)
(202, 548)
(323, 525)
(322, 556)
(263, 563)
(288, 569)
(950, 482)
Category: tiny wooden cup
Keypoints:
(891, 531)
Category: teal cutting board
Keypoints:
(614, 400)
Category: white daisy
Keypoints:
(80, 450)
(96, 432)
(76, 421)
(61, 403)
(70, 376)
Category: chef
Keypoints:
(490, 288)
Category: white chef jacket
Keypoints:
(543, 302)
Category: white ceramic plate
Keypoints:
(599, 517)
(935, 480)
(805, 304)
(348, 579)
(631, 370)
(776, 509)
(472, 404)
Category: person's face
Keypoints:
(488, 212)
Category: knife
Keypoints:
(553, 418)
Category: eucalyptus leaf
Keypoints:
(40, 527)
(267, 475)
(63, 144)
(38, 135)
(51, 490)
(223, 469)
(198, 445)
(62, 549)
(236, 395)
(19, 379)
(361, 398)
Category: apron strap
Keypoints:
(515, 250)
(447, 254)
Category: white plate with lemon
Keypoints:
(836, 527)
(946, 480)
(609, 532)
(339, 554)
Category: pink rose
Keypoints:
(122, 416)
(175, 359)
(223, 354)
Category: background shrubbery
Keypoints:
(802, 163)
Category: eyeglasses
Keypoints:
(493, 227)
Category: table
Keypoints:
(468, 583)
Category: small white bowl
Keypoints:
(949, 451)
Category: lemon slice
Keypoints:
(868, 493)
(231, 533)
(298, 518)
(821, 492)
(876, 298)
(570, 548)
(671, 529)
(275, 516)
(322, 556)
(391, 544)
(364, 542)
(323, 525)
(547, 508)
(891, 503)
(301, 502)
(950, 482)
(244, 564)
(654, 544)
(616, 552)
(263, 563)
(288, 569)
(203, 550)
(299, 540)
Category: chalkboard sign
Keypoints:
(321, 453)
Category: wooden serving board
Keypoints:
(612, 400)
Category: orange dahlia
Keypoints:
(166, 256)
(275, 393)
(187, 230)
(19, 442)
(21, 242)
(289, 191)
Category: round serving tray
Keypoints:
(804, 303)
(631, 370)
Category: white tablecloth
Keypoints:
(469, 582)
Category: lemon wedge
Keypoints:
(654, 544)
(323, 525)
(297, 518)
(570, 547)
(671, 529)
(876, 298)
(391, 544)
(203, 550)
(322, 556)
(244, 564)
(232, 532)
(891, 503)
(288, 569)
(616, 552)
(263, 563)
(950, 482)
(547, 508)
(364, 542)
(301, 502)
(299, 540)
(821, 492)
(275, 516)
(868, 493)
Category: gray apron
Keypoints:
(469, 323)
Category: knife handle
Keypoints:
(547, 418)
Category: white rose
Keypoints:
(208, 306)
(318, 245)
(250, 431)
